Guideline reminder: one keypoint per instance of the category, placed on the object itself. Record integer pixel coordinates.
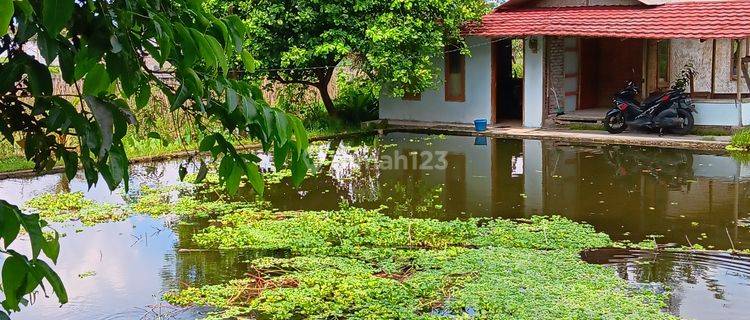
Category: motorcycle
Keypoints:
(671, 110)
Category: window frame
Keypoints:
(667, 77)
(448, 62)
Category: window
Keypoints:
(735, 57)
(455, 75)
(662, 60)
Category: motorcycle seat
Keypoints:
(652, 99)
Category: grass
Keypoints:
(709, 132)
(585, 126)
(140, 147)
(15, 163)
(740, 141)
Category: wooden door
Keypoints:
(606, 66)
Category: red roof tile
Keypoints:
(693, 20)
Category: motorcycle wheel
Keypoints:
(615, 123)
(688, 122)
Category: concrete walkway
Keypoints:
(712, 143)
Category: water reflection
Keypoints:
(686, 197)
(702, 285)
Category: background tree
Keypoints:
(101, 48)
(394, 42)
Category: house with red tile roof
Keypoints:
(540, 62)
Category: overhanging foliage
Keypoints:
(102, 49)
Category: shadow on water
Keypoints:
(702, 285)
(634, 194)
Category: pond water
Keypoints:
(119, 270)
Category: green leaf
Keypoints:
(10, 225)
(6, 14)
(92, 177)
(282, 126)
(221, 58)
(193, 83)
(207, 143)
(299, 168)
(66, 59)
(280, 153)
(248, 61)
(14, 273)
(71, 164)
(204, 48)
(202, 172)
(143, 96)
(10, 73)
(182, 171)
(223, 30)
(51, 247)
(53, 279)
(237, 31)
(59, 116)
(249, 109)
(254, 177)
(118, 163)
(157, 136)
(26, 8)
(300, 134)
(47, 47)
(105, 120)
(187, 44)
(178, 100)
(233, 179)
(55, 14)
(232, 100)
(97, 81)
(31, 223)
(40, 79)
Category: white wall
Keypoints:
(533, 84)
(721, 113)
(433, 107)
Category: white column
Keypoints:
(533, 82)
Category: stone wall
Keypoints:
(555, 75)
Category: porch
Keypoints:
(694, 142)
(726, 113)
(592, 115)
(578, 57)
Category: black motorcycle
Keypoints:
(671, 111)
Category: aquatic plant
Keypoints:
(61, 207)
(305, 232)
(356, 263)
(167, 200)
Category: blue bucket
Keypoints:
(480, 125)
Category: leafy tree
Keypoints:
(102, 49)
(394, 41)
